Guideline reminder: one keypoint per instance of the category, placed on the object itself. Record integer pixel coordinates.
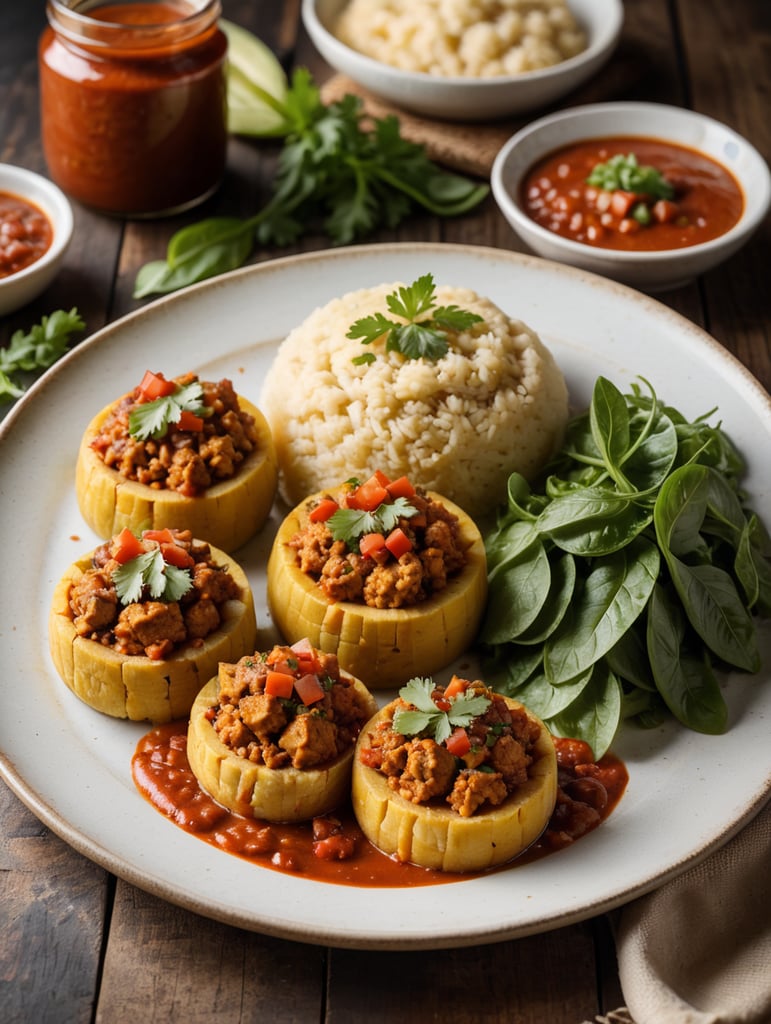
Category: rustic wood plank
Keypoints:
(52, 904)
(549, 977)
(186, 969)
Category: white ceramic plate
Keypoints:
(687, 793)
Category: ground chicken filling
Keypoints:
(317, 720)
(380, 579)
(498, 747)
(153, 628)
(187, 461)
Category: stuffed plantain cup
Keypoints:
(178, 453)
(272, 736)
(455, 779)
(390, 577)
(138, 625)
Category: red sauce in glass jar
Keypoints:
(25, 234)
(333, 848)
(133, 108)
(707, 199)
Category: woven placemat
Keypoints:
(466, 148)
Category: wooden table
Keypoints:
(77, 944)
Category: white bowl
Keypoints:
(648, 271)
(469, 99)
(18, 289)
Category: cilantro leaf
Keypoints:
(150, 572)
(418, 338)
(414, 299)
(429, 719)
(153, 419)
(349, 524)
(36, 350)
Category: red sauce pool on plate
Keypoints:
(555, 194)
(333, 848)
(26, 234)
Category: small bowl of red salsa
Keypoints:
(35, 229)
(644, 193)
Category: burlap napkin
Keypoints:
(698, 950)
(466, 148)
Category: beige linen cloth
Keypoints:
(698, 949)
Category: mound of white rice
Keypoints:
(495, 403)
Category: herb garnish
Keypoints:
(430, 720)
(418, 338)
(149, 572)
(625, 173)
(627, 575)
(36, 350)
(349, 524)
(153, 419)
(335, 172)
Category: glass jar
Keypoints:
(133, 108)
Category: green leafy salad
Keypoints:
(626, 577)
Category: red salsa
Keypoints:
(333, 848)
(25, 234)
(133, 108)
(701, 199)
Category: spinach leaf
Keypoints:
(614, 594)
(595, 714)
(686, 682)
(520, 590)
(593, 521)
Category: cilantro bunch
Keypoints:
(418, 338)
(35, 350)
(430, 720)
(336, 172)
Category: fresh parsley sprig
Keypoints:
(418, 338)
(429, 720)
(149, 573)
(153, 419)
(35, 350)
(349, 524)
(337, 172)
(625, 173)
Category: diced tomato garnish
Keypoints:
(126, 546)
(664, 211)
(164, 536)
(279, 684)
(455, 686)
(189, 421)
(458, 742)
(398, 543)
(155, 385)
(622, 202)
(325, 509)
(401, 488)
(443, 703)
(309, 689)
(305, 653)
(370, 494)
(371, 543)
(175, 555)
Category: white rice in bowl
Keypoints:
(495, 403)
